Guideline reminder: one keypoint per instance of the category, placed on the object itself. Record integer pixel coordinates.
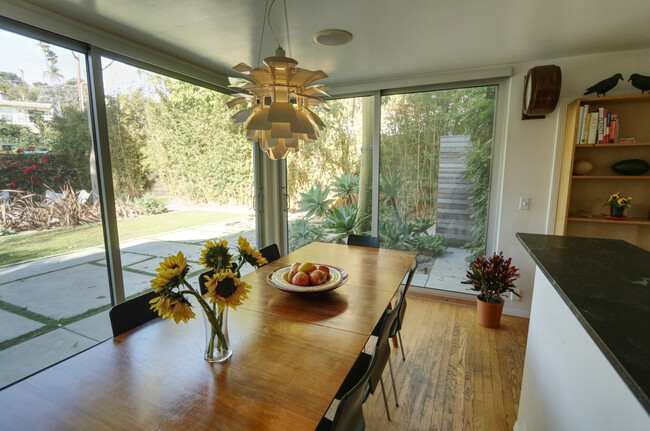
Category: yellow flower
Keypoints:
(623, 201)
(250, 255)
(614, 197)
(225, 289)
(173, 307)
(171, 273)
(215, 255)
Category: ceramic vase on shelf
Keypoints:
(616, 211)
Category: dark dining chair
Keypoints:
(397, 327)
(132, 313)
(270, 252)
(363, 240)
(352, 394)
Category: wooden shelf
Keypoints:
(614, 145)
(601, 219)
(611, 177)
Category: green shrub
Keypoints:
(431, 245)
(302, 232)
(150, 204)
(315, 202)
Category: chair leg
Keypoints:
(401, 344)
(390, 367)
(383, 393)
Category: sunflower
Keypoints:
(171, 273)
(215, 255)
(250, 255)
(225, 289)
(174, 306)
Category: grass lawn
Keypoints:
(17, 248)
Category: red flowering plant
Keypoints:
(492, 277)
(31, 171)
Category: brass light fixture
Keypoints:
(279, 117)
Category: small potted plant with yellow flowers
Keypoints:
(220, 288)
(617, 204)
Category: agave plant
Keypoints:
(315, 202)
(395, 235)
(420, 225)
(343, 221)
(345, 188)
(389, 190)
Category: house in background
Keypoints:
(21, 113)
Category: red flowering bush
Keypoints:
(32, 172)
(492, 277)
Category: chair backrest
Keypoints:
(402, 309)
(364, 241)
(132, 313)
(270, 252)
(382, 349)
(349, 413)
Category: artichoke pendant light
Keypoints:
(280, 94)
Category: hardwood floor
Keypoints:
(457, 374)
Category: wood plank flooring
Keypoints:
(457, 374)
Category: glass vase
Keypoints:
(217, 344)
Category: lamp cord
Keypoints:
(286, 22)
(270, 26)
(259, 54)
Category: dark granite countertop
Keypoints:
(606, 284)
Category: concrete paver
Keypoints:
(33, 355)
(14, 325)
(60, 294)
(162, 248)
(97, 327)
(127, 258)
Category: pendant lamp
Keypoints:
(280, 94)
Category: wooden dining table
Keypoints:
(290, 355)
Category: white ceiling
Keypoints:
(391, 37)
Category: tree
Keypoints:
(16, 88)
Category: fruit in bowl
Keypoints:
(307, 274)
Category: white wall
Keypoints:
(532, 152)
(568, 383)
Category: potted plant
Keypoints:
(492, 277)
(617, 204)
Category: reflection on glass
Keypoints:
(330, 180)
(182, 171)
(435, 156)
(54, 292)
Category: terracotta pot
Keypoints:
(488, 315)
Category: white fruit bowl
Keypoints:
(336, 279)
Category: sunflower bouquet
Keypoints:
(220, 288)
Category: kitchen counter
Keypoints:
(605, 285)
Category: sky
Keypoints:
(23, 56)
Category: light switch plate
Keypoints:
(524, 203)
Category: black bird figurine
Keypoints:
(605, 85)
(641, 82)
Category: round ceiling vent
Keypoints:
(332, 37)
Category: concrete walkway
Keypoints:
(70, 288)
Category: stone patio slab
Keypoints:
(188, 235)
(28, 269)
(127, 258)
(163, 248)
(14, 325)
(135, 283)
(97, 327)
(33, 355)
(60, 294)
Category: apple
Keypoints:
(300, 279)
(292, 271)
(325, 269)
(306, 267)
(317, 277)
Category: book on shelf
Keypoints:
(580, 123)
(613, 129)
(593, 127)
(627, 140)
(585, 124)
(600, 134)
